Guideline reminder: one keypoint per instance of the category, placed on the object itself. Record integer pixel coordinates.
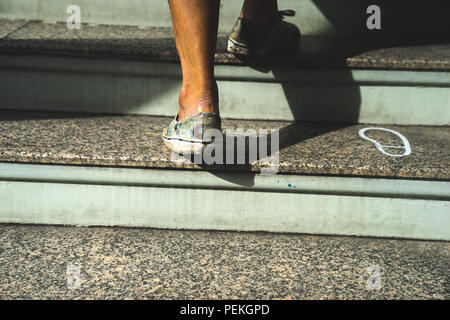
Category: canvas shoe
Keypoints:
(246, 40)
(190, 135)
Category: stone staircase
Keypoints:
(130, 70)
(82, 111)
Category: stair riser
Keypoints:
(136, 87)
(110, 198)
(316, 17)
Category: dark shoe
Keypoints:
(247, 40)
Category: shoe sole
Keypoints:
(184, 147)
(241, 49)
(237, 48)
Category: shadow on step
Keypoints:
(336, 104)
(402, 17)
(254, 150)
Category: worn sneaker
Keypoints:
(245, 39)
(189, 136)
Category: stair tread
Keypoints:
(147, 263)
(157, 44)
(135, 141)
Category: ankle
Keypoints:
(195, 100)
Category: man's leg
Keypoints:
(195, 25)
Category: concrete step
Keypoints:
(92, 169)
(314, 17)
(48, 262)
(120, 69)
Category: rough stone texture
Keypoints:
(156, 43)
(305, 148)
(121, 263)
(8, 26)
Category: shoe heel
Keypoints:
(237, 49)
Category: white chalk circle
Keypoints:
(380, 147)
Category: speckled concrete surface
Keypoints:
(135, 141)
(157, 264)
(155, 43)
(9, 26)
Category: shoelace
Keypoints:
(286, 13)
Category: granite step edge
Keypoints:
(135, 142)
(157, 44)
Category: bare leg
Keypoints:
(195, 28)
(262, 13)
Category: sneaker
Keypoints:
(189, 136)
(245, 39)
